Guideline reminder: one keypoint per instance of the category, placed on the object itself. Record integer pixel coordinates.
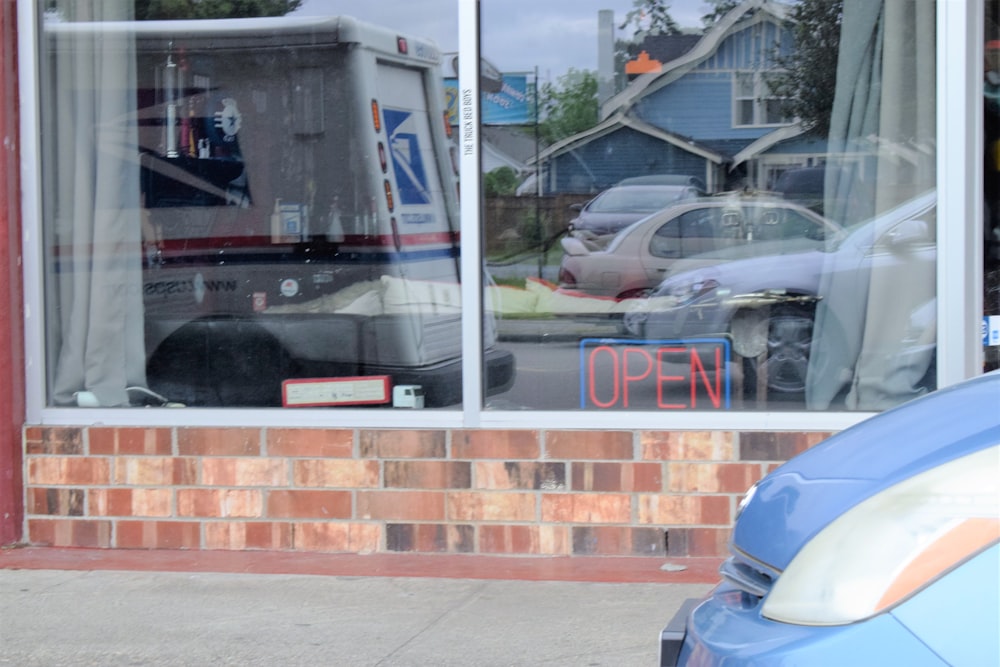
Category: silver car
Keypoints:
(767, 304)
(687, 235)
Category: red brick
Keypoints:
(312, 442)
(674, 510)
(242, 535)
(586, 508)
(403, 444)
(56, 502)
(57, 471)
(131, 502)
(244, 472)
(617, 477)
(686, 445)
(69, 533)
(498, 444)
(618, 541)
(110, 502)
(158, 535)
(509, 539)
(338, 537)
(579, 445)
(430, 537)
(698, 542)
(218, 441)
(61, 441)
(500, 475)
(308, 504)
(401, 505)
(427, 474)
(335, 473)
(712, 477)
(491, 506)
(247, 503)
(130, 441)
(762, 446)
(155, 471)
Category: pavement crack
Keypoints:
(460, 604)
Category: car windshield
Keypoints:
(637, 199)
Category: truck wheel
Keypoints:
(220, 362)
(789, 340)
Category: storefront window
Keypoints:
(249, 212)
(717, 207)
(743, 286)
(991, 188)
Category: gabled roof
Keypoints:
(621, 120)
(752, 10)
(767, 141)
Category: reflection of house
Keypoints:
(704, 111)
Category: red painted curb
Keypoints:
(607, 569)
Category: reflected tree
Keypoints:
(212, 9)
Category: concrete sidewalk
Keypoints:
(92, 614)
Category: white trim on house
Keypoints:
(619, 121)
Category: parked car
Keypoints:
(685, 236)
(804, 186)
(631, 199)
(729, 298)
(880, 546)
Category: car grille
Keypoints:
(747, 575)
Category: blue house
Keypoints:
(707, 112)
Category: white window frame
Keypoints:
(758, 100)
(959, 186)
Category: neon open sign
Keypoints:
(655, 374)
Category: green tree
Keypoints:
(500, 181)
(211, 9)
(807, 78)
(718, 9)
(569, 106)
(650, 17)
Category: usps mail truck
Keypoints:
(300, 218)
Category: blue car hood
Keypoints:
(801, 497)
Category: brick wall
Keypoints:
(510, 492)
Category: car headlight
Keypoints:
(892, 545)
(687, 291)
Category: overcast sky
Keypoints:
(517, 35)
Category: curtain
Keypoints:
(882, 134)
(92, 211)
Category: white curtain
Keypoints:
(882, 131)
(92, 211)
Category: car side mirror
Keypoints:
(908, 233)
(576, 207)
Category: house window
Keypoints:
(753, 102)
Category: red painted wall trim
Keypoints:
(11, 304)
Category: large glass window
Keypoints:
(729, 206)
(251, 212)
(811, 287)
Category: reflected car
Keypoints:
(766, 303)
(631, 199)
(879, 546)
(688, 235)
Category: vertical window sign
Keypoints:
(407, 159)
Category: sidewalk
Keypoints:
(94, 607)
